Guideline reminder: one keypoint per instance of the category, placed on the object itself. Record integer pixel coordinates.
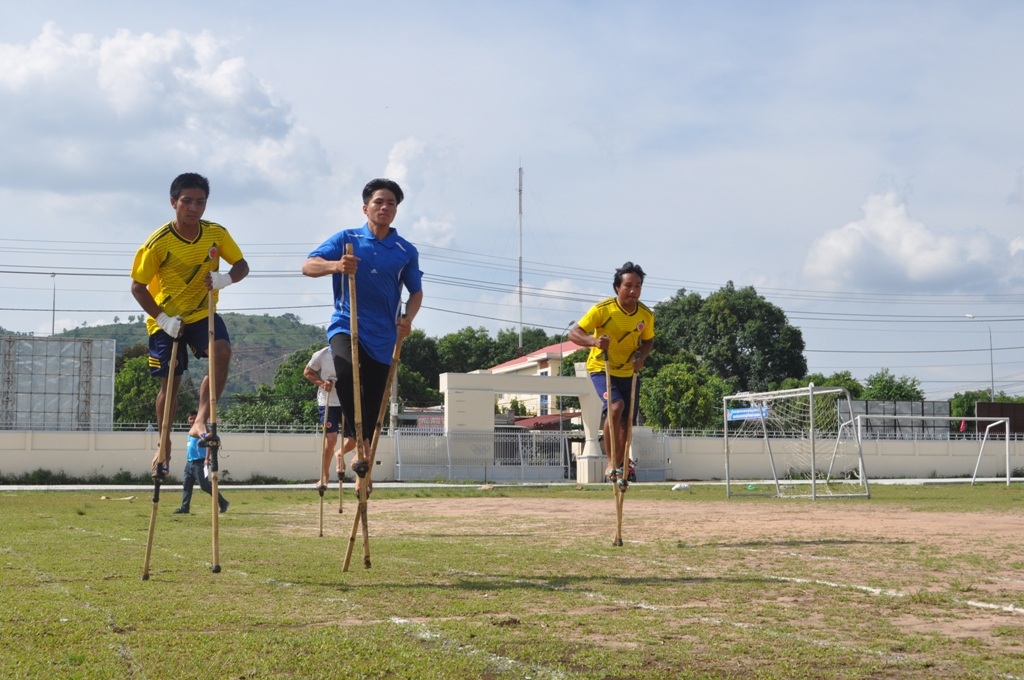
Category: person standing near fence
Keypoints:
(195, 471)
(383, 263)
(621, 330)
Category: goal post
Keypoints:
(997, 428)
(808, 436)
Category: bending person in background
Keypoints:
(621, 328)
(320, 371)
(173, 272)
(383, 263)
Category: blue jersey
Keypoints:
(385, 266)
(194, 452)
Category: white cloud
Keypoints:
(889, 250)
(438, 233)
(143, 107)
(403, 153)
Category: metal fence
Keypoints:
(891, 434)
(222, 426)
(521, 456)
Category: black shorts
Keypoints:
(373, 383)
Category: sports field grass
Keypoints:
(917, 582)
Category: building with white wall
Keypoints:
(545, 361)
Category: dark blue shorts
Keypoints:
(333, 418)
(622, 389)
(196, 335)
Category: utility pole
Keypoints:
(991, 362)
(520, 260)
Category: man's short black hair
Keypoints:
(189, 180)
(376, 184)
(628, 268)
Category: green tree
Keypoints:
(135, 393)
(518, 408)
(737, 334)
(683, 396)
(137, 350)
(570, 360)
(466, 350)
(293, 392)
(675, 322)
(506, 347)
(419, 355)
(748, 338)
(290, 399)
(887, 387)
(964, 405)
(838, 379)
(261, 408)
(413, 389)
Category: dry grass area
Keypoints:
(962, 571)
(525, 583)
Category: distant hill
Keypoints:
(259, 343)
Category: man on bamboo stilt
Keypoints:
(620, 328)
(383, 263)
(173, 272)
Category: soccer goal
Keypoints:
(808, 436)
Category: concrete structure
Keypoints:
(294, 456)
(80, 454)
(546, 361)
(469, 407)
(466, 449)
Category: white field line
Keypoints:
(589, 594)
(504, 664)
(1013, 609)
(832, 584)
(1009, 608)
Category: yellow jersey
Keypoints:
(174, 269)
(625, 330)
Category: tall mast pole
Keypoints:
(520, 260)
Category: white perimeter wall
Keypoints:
(294, 456)
(288, 456)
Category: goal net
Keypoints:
(802, 443)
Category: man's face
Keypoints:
(382, 208)
(629, 291)
(189, 207)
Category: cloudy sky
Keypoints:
(861, 164)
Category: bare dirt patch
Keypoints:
(647, 520)
(966, 556)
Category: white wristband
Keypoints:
(169, 324)
(219, 281)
